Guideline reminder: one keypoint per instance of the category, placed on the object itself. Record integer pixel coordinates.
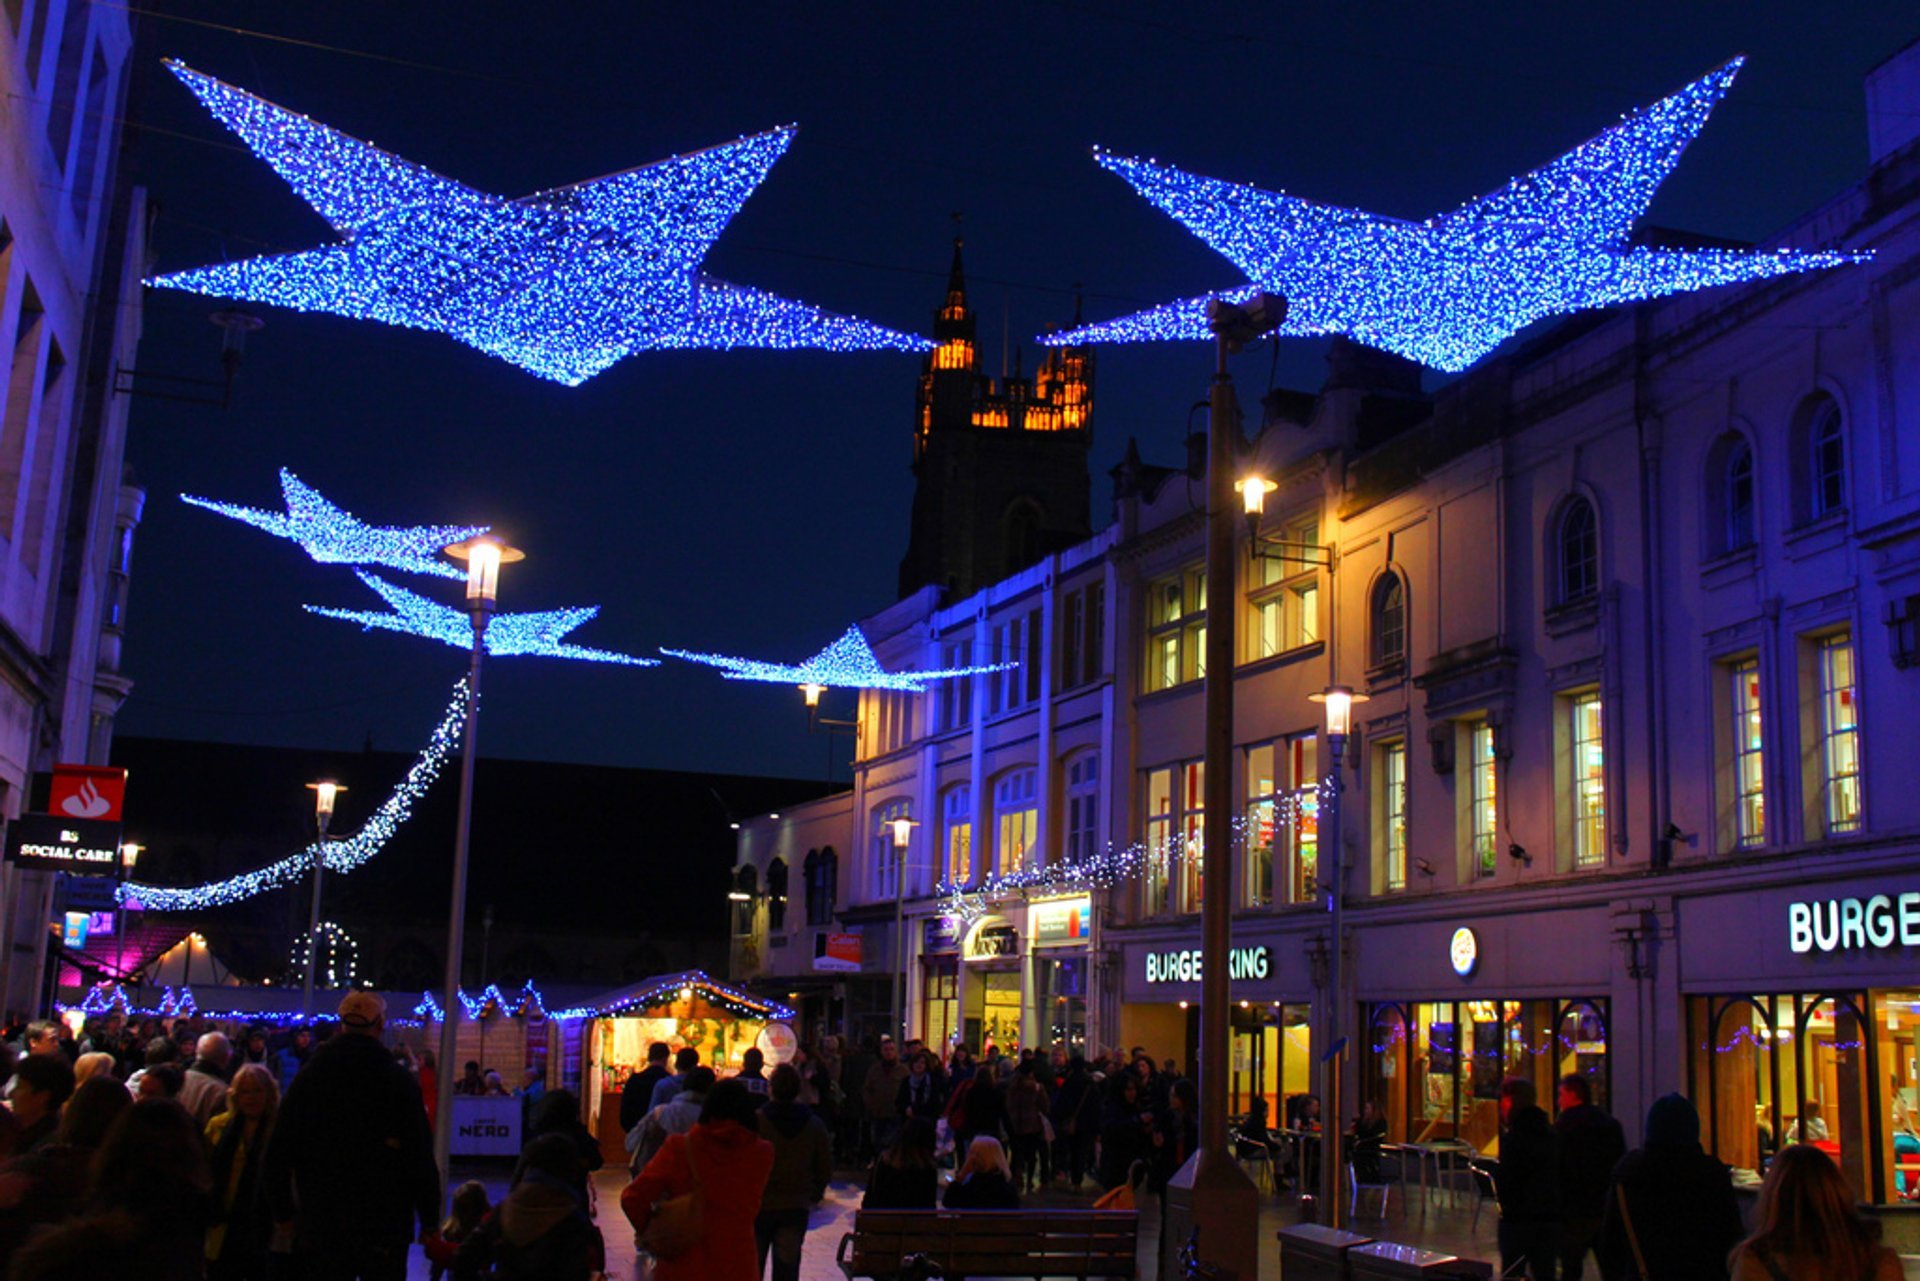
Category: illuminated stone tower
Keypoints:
(1000, 468)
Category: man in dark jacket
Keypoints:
(1528, 1183)
(636, 1095)
(1680, 1215)
(802, 1168)
(1591, 1144)
(350, 1166)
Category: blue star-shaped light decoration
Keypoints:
(507, 635)
(848, 663)
(1447, 291)
(335, 537)
(562, 283)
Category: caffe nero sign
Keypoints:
(1877, 922)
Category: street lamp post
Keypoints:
(129, 855)
(902, 837)
(324, 795)
(484, 555)
(1339, 701)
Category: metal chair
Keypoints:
(1355, 1188)
(1484, 1174)
(1253, 1152)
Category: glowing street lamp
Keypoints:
(902, 833)
(484, 555)
(324, 796)
(1339, 701)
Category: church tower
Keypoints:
(1000, 468)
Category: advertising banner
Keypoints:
(78, 846)
(842, 952)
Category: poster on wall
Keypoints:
(1487, 1061)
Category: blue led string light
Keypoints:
(1447, 291)
(675, 987)
(340, 963)
(848, 663)
(507, 635)
(341, 855)
(562, 283)
(334, 537)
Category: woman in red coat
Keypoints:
(733, 1162)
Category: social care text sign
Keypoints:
(1854, 924)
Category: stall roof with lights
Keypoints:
(663, 990)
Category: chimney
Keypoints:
(1893, 104)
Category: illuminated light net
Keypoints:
(507, 635)
(339, 956)
(335, 537)
(562, 283)
(340, 856)
(848, 663)
(1447, 291)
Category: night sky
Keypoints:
(755, 503)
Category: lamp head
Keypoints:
(130, 854)
(811, 692)
(484, 555)
(324, 795)
(1339, 700)
(1253, 493)
(902, 831)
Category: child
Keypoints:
(469, 1207)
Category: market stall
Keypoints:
(613, 1031)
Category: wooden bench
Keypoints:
(994, 1243)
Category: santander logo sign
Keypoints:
(87, 802)
(87, 792)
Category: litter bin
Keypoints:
(1313, 1252)
(1385, 1261)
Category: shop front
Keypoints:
(1450, 1010)
(1060, 933)
(1802, 1017)
(1160, 1012)
(990, 998)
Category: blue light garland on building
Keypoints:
(562, 283)
(848, 663)
(677, 987)
(334, 537)
(507, 635)
(341, 855)
(1447, 291)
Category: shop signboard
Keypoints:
(78, 846)
(1062, 922)
(778, 1043)
(73, 930)
(841, 952)
(1877, 923)
(1185, 965)
(88, 791)
(993, 937)
(941, 935)
(485, 1126)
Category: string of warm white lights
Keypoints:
(342, 855)
(339, 957)
(848, 663)
(334, 537)
(562, 283)
(537, 633)
(684, 987)
(1447, 291)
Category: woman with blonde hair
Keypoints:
(984, 1181)
(237, 1141)
(1807, 1228)
(89, 1064)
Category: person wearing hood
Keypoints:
(1591, 1144)
(540, 1231)
(1528, 1184)
(1671, 1210)
(721, 1166)
(802, 1168)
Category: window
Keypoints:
(1283, 809)
(87, 157)
(1300, 817)
(1154, 878)
(1483, 812)
(1284, 600)
(1819, 459)
(1083, 806)
(1016, 641)
(746, 889)
(777, 895)
(1390, 819)
(1083, 636)
(66, 84)
(1577, 548)
(822, 870)
(1176, 630)
(1016, 822)
(1836, 744)
(954, 709)
(956, 834)
(1738, 496)
(1586, 778)
(1389, 620)
(892, 715)
(1193, 795)
(886, 859)
(1266, 801)
(1744, 788)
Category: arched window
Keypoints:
(886, 857)
(1737, 496)
(1576, 547)
(1826, 461)
(956, 835)
(1389, 619)
(746, 888)
(822, 870)
(777, 894)
(1016, 822)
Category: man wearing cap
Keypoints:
(350, 1170)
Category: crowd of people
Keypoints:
(237, 1155)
